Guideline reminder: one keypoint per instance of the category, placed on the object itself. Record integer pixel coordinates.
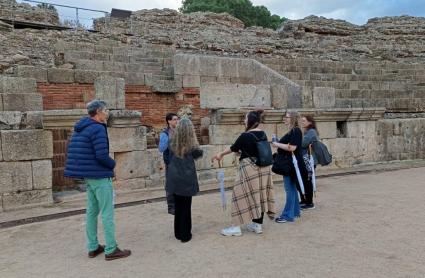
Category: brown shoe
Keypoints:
(117, 254)
(96, 252)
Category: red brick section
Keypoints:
(153, 106)
(60, 141)
(65, 96)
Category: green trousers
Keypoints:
(100, 198)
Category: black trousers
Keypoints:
(259, 220)
(170, 202)
(307, 198)
(183, 217)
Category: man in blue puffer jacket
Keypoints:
(88, 159)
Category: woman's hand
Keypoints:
(217, 157)
(274, 144)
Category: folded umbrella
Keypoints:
(297, 170)
(220, 178)
(313, 173)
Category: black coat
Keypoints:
(181, 178)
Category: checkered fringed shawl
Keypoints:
(252, 193)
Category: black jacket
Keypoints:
(181, 178)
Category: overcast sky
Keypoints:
(355, 11)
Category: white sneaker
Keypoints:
(255, 227)
(232, 231)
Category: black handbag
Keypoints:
(283, 164)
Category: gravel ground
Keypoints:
(365, 225)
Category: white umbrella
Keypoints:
(297, 170)
(220, 178)
(313, 173)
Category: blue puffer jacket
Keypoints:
(88, 151)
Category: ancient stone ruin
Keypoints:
(365, 85)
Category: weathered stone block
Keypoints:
(209, 151)
(361, 129)
(286, 95)
(130, 184)
(157, 181)
(124, 118)
(114, 66)
(307, 97)
(224, 134)
(127, 139)
(155, 163)
(326, 129)
(269, 129)
(220, 95)
(207, 79)
(17, 85)
(32, 120)
(130, 165)
(86, 76)
(281, 129)
(187, 64)
(39, 74)
(323, 97)
(89, 65)
(26, 144)
(228, 67)
(134, 78)
(22, 102)
(246, 69)
(27, 199)
(15, 176)
(73, 56)
(191, 81)
(111, 90)
(123, 58)
(10, 120)
(42, 174)
(55, 75)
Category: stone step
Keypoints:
(74, 56)
(83, 64)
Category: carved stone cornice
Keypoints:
(53, 119)
(236, 116)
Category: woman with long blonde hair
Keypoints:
(181, 178)
(288, 144)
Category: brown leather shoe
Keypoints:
(117, 254)
(96, 252)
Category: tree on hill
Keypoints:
(244, 10)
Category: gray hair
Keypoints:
(94, 105)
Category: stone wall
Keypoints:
(26, 148)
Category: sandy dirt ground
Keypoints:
(365, 225)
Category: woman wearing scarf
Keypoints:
(252, 194)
